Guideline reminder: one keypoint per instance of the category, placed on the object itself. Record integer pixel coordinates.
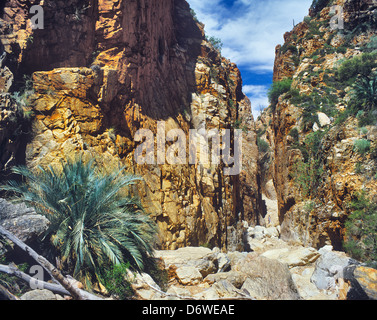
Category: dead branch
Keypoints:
(76, 293)
(14, 271)
(55, 288)
(4, 291)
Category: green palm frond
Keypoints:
(365, 91)
(93, 221)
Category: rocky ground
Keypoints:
(272, 269)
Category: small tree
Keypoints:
(277, 89)
(216, 43)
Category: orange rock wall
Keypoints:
(101, 70)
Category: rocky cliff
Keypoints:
(316, 125)
(101, 70)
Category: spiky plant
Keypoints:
(365, 91)
(92, 222)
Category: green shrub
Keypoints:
(216, 43)
(307, 172)
(288, 47)
(193, 13)
(371, 45)
(362, 146)
(114, 279)
(263, 145)
(359, 168)
(361, 229)
(307, 175)
(365, 92)
(341, 49)
(277, 89)
(318, 5)
(365, 118)
(93, 222)
(294, 134)
(307, 19)
(359, 65)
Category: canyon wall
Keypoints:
(101, 70)
(316, 169)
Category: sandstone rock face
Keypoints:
(133, 65)
(310, 56)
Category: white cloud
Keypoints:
(259, 97)
(250, 31)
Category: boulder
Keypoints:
(220, 290)
(203, 259)
(257, 238)
(223, 262)
(323, 119)
(142, 285)
(327, 266)
(363, 282)
(293, 257)
(22, 221)
(189, 276)
(40, 295)
(308, 290)
(267, 279)
(175, 293)
(234, 277)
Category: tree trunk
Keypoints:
(6, 294)
(55, 288)
(50, 268)
(14, 271)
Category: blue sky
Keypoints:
(250, 31)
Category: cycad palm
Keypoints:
(365, 91)
(91, 223)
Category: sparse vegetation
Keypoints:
(318, 5)
(277, 89)
(294, 134)
(365, 92)
(361, 228)
(350, 69)
(115, 281)
(22, 98)
(216, 43)
(362, 146)
(12, 283)
(308, 171)
(263, 145)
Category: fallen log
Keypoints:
(14, 271)
(53, 287)
(6, 294)
(76, 293)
